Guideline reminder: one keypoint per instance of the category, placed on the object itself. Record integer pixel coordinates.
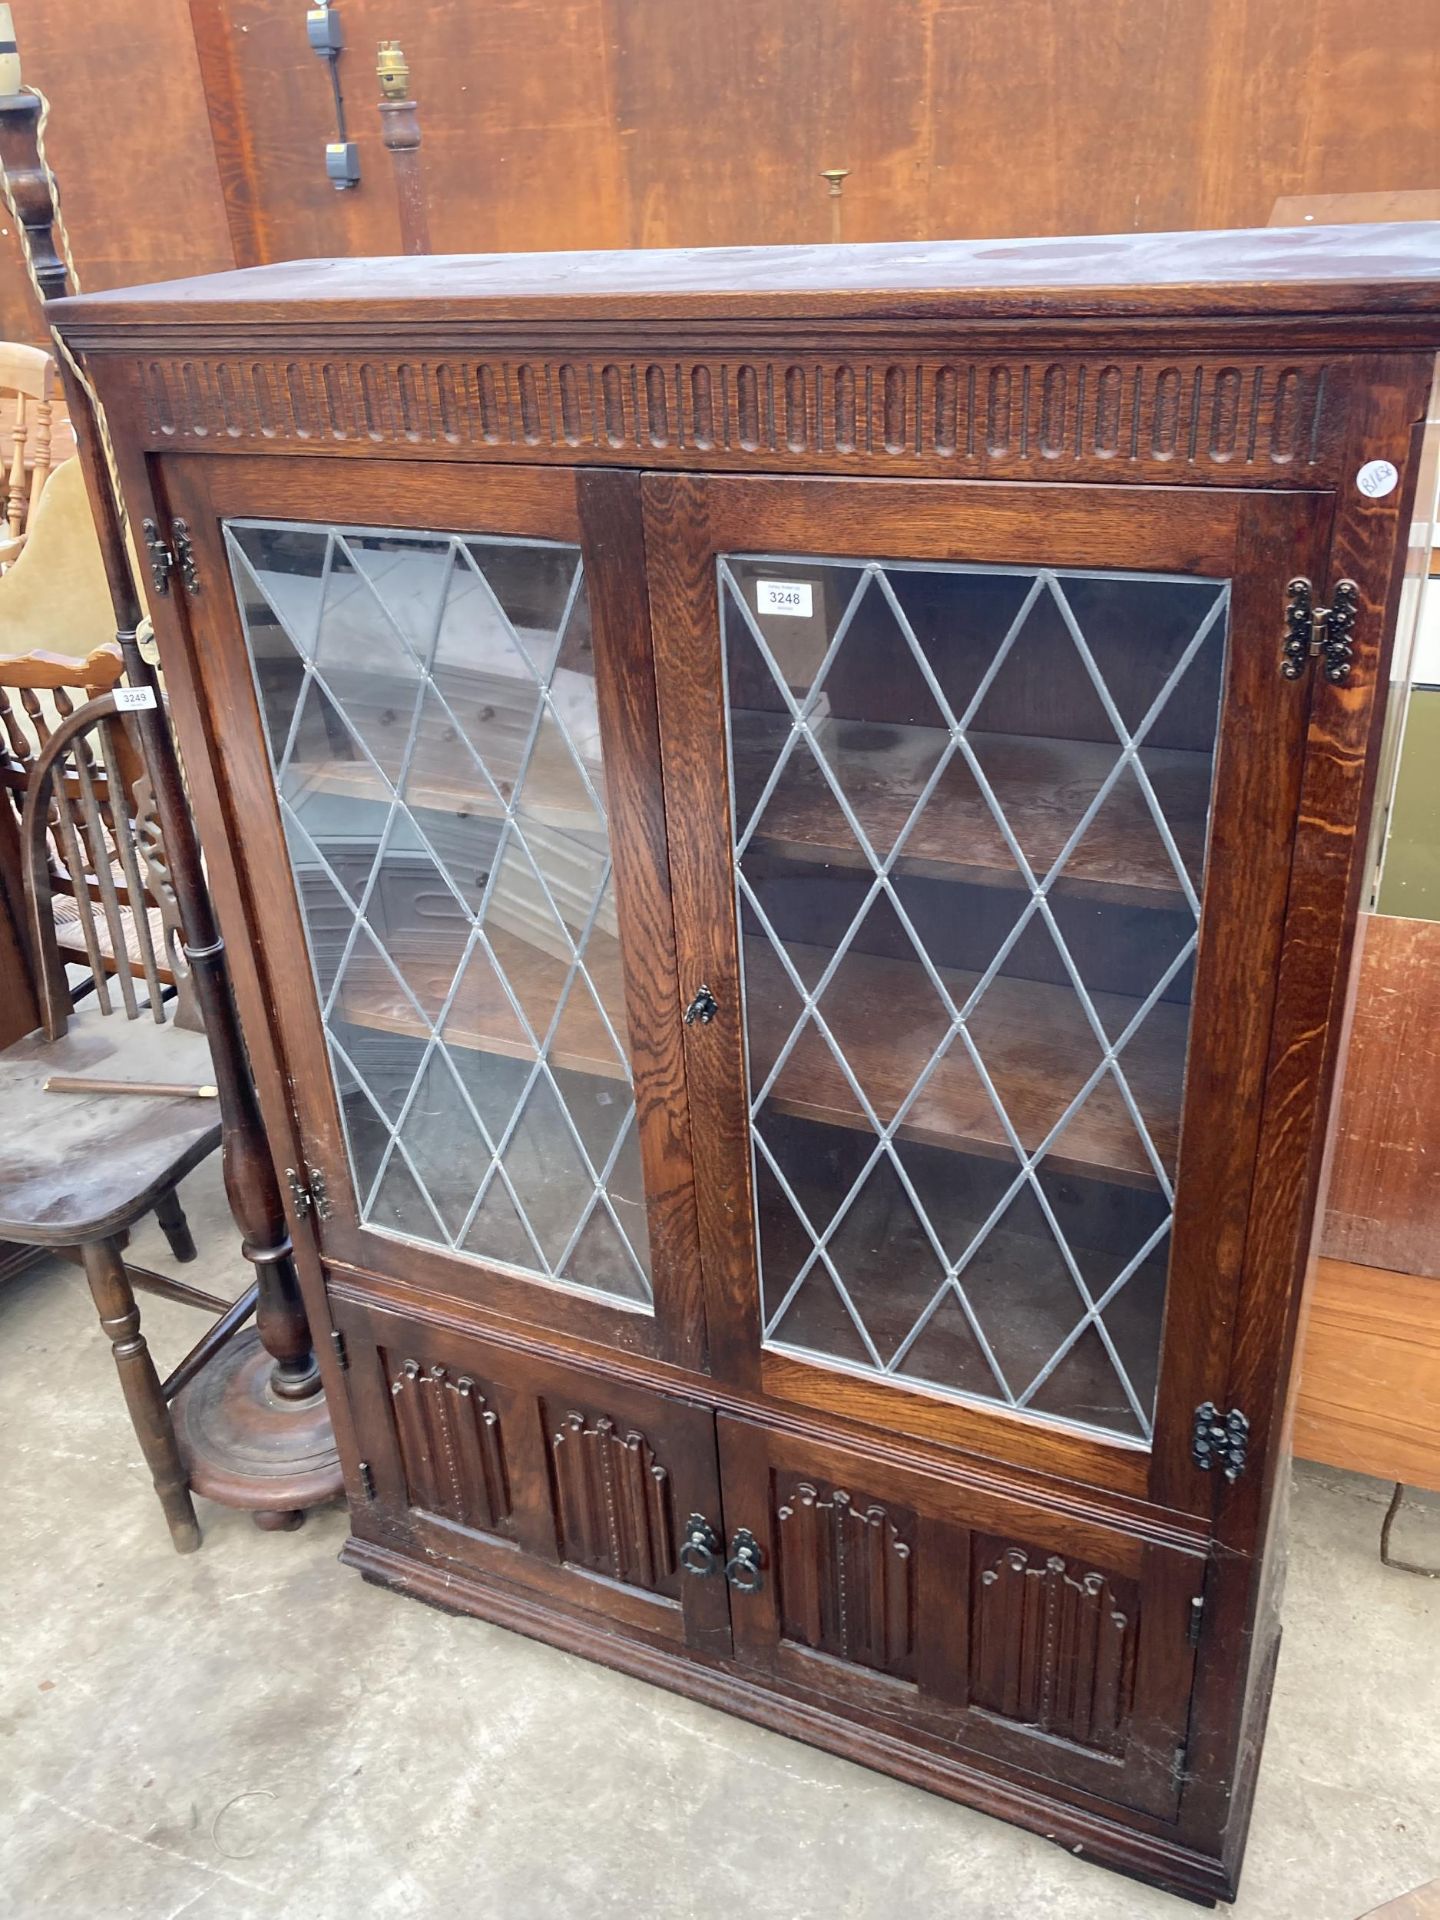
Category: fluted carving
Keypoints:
(615, 1504)
(1052, 1645)
(450, 1449)
(847, 1577)
(911, 413)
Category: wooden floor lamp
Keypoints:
(254, 1428)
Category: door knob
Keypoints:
(744, 1569)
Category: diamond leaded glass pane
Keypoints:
(970, 809)
(429, 705)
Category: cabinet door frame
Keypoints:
(1256, 541)
(617, 1436)
(600, 513)
(955, 1657)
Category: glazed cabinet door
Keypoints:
(1030, 1637)
(981, 802)
(433, 723)
(561, 1485)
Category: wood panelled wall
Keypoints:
(189, 134)
(1383, 1206)
(129, 141)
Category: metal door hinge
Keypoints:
(162, 560)
(185, 556)
(165, 558)
(367, 1478)
(308, 1193)
(1197, 1614)
(1311, 630)
(1220, 1440)
(342, 1352)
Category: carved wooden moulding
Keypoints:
(1052, 1644)
(450, 1448)
(1265, 419)
(846, 1577)
(613, 1500)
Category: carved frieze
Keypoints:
(913, 413)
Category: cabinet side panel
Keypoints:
(1327, 874)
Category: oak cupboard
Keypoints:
(790, 825)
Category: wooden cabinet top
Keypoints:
(1384, 280)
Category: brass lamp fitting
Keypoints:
(392, 72)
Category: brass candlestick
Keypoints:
(837, 176)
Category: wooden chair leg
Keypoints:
(120, 1317)
(174, 1225)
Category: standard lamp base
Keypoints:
(244, 1446)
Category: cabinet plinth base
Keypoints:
(1085, 1832)
(244, 1446)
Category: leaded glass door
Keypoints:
(446, 741)
(1008, 781)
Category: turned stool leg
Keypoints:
(174, 1225)
(149, 1415)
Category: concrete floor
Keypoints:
(253, 1732)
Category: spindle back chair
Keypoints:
(27, 392)
(92, 842)
(80, 1167)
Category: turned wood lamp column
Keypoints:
(400, 131)
(253, 1427)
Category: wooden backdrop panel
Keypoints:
(1369, 1392)
(1383, 1207)
(129, 141)
(521, 145)
(569, 123)
(729, 112)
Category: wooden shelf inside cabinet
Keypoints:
(481, 1017)
(1043, 785)
(443, 778)
(1035, 1040)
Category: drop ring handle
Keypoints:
(744, 1569)
(700, 1553)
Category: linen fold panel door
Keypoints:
(970, 810)
(429, 703)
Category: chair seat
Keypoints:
(77, 1166)
(71, 935)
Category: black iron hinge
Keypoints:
(1220, 1440)
(1197, 1615)
(176, 555)
(367, 1478)
(1311, 630)
(342, 1352)
(307, 1190)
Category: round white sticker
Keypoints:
(1377, 478)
